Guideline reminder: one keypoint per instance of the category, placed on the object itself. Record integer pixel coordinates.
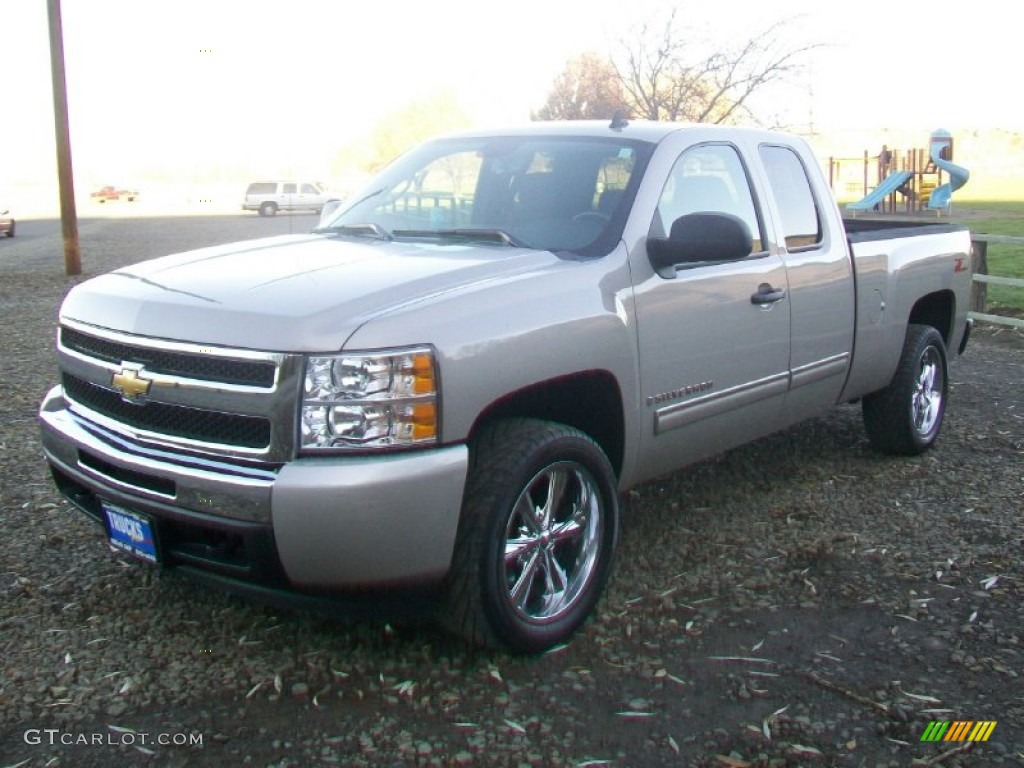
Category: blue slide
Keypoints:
(889, 184)
(958, 175)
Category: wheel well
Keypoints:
(589, 401)
(937, 310)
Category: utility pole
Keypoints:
(65, 178)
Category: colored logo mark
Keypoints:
(958, 730)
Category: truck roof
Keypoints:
(643, 130)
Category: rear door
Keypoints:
(714, 355)
(821, 285)
(289, 193)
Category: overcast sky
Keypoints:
(156, 83)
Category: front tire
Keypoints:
(906, 416)
(535, 543)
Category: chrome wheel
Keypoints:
(928, 392)
(552, 541)
(906, 416)
(536, 539)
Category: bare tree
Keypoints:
(660, 72)
(588, 87)
(665, 77)
(404, 128)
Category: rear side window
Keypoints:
(262, 188)
(289, 189)
(801, 219)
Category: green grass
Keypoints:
(998, 218)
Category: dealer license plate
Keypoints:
(130, 532)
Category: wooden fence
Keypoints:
(982, 279)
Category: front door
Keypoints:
(714, 340)
(309, 198)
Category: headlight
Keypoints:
(374, 400)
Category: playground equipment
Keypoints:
(913, 178)
(888, 186)
(941, 152)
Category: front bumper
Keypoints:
(311, 525)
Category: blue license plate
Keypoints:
(130, 532)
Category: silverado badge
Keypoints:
(130, 384)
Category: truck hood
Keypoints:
(296, 293)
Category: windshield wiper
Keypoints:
(498, 236)
(376, 231)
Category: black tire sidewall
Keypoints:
(919, 340)
(564, 445)
(889, 414)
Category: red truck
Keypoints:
(113, 193)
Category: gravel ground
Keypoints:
(801, 601)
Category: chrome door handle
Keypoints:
(767, 295)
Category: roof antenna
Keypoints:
(619, 121)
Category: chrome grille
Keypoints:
(255, 373)
(232, 403)
(173, 420)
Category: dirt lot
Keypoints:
(801, 601)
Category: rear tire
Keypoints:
(10, 232)
(536, 539)
(906, 416)
(268, 209)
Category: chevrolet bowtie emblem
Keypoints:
(130, 384)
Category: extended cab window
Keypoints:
(709, 178)
(801, 222)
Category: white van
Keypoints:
(269, 197)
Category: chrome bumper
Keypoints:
(335, 522)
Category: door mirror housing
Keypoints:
(328, 210)
(698, 239)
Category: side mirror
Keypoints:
(328, 210)
(698, 239)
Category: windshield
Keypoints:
(550, 193)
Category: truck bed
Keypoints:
(896, 262)
(860, 230)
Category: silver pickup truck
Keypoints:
(444, 389)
